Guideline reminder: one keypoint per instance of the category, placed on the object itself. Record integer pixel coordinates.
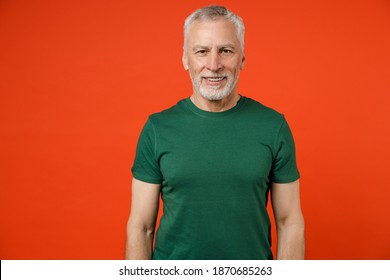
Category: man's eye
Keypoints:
(227, 51)
(200, 52)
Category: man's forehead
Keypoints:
(218, 27)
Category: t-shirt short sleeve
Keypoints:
(146, 167)
(284, 166)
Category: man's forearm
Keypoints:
(139, 244)
(291, 242)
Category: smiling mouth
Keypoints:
(214, 79)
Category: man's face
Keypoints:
(214, 58)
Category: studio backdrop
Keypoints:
(78, 80)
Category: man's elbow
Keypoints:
(140, 229)
(291, 221)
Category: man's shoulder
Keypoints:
(259, 110)
(170, 113)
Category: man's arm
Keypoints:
(142, 220)
(289, 221)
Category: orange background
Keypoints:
(79, 78)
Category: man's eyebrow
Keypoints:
(223, 46)
(229, 46)
(197, 47)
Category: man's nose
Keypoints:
(214, 62)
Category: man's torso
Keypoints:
(215, 171)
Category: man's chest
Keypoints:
(209, 154)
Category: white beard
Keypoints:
(213, 93)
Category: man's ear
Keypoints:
(185, 61)
(242, 63)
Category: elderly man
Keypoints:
(214, 157)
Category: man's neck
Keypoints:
(215, 105)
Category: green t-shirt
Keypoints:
(215, 169)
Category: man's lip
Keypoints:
(216, 78)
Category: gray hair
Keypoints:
(212, 13)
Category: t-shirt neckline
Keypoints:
(209, 114)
